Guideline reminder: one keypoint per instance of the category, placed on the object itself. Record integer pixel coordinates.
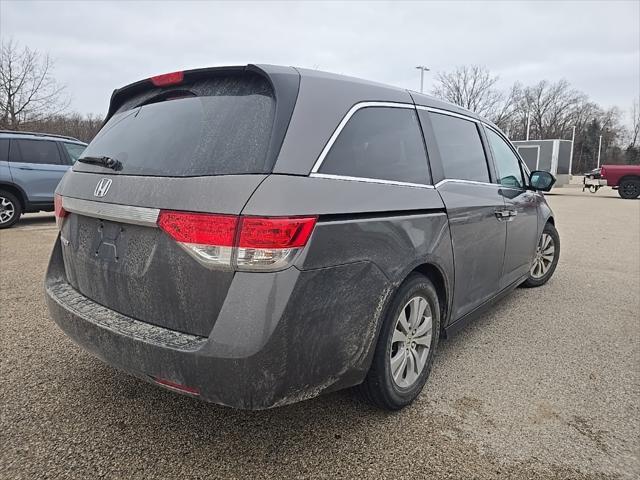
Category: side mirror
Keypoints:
(541, 180)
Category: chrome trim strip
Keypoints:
(472, 182)
(447, 112)
(343, 122)
(144, 216)
(369, 180)
(492, 128)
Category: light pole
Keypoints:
(422, 69)
(528, 123)
(573, 139)
(599, 149)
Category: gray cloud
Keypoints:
(99, 46)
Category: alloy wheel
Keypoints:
(543, 258)
(7, 210)
(411, 342)
(630, 189)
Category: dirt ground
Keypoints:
(546, 385)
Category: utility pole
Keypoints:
(599, 149)
(422, 69)
(573, 139)
(528, 123)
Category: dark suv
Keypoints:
(31, 166)
(259, 235)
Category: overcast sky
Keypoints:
(99, 46)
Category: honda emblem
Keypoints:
(102, 188)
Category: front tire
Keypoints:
(406, 346)
(545, 258)
(10, 209)
(629, 189)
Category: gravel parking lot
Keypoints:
(546, 385)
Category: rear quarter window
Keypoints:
(37, 151)
(380, 143)
(220, 126)
(461, 150)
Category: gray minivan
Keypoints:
(258, 235)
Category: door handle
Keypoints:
(505, 214)
(25, 168)
(502, 214)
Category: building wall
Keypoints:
(546, 154)
(544, 158)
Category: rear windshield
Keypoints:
(220, 126)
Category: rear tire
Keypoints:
(541, 270)
(10, 209)
(629, 189)
(406, 346)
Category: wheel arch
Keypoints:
(17, 191)
(632, 177)
(436, 275)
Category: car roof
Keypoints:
(418, 98)
(38, 136)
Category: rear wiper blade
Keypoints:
(102, 161)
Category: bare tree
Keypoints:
(28, 90)
(553, 108)
(474, 88)
(506, 110)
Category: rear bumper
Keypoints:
(279, 338)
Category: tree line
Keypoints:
(552, 110)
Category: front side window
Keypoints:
(38, 151)
(460, 148)
(507, 163)
(74, 150)
(382, 143)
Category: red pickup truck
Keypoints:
(624, 178)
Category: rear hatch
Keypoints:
(199, 141)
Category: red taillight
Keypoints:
(602, 172)
(247, 243)
(166, 79)
(176, 386)
(200, 228)
(275, 232)
(58, 209)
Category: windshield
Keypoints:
(225, 131)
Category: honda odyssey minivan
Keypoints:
(258, 235)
